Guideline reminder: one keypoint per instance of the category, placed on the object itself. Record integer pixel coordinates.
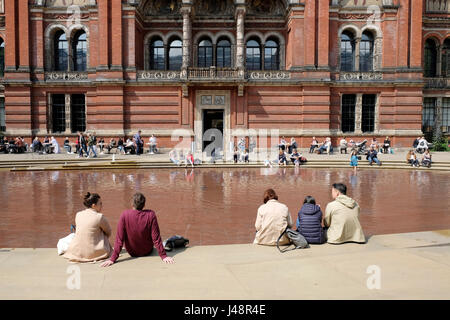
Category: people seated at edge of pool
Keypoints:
(282, 158)
(310, 222)
(342, 217)
(91, 241)
(314, 144)
(271, 220)
(138, 230)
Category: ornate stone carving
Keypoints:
(66, 76)
(352, 76)
(437, 83)
(360, 3)
(163, 7)
(354, 16)
(438, 6)
(266, 7)
(214, 7)
(66, 3)
(158, 75)
(65, 16)
(269, 75)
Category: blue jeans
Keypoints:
(68, 148)
(83, 148)
(374, 160)
(93, 150)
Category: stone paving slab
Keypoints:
(412, 266)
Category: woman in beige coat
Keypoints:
(91, 241)
(272, 219)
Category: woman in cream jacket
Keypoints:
(91, 241)
(272, 219)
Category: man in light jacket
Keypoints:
(272, 219)
(341, 217)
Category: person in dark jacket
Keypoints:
(310, 222)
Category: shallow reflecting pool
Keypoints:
(215, 206)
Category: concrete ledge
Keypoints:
(411, 266)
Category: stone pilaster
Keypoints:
(240, 55)
(68, 102)
(377, 54)
(358, 113)
(357, 46)
(439, 61)
(438, 118)
(186, 11)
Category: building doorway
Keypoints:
(213, 119)
(212, 123)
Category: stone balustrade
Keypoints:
(268, 75)
(158, 75)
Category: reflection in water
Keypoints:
(215, 206)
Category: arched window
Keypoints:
(175, 55)
(2, 57)
(61, 51)
(253, 55)
(223, 54)
(430, 56)
(79, 51)
(271, 55)
(157, 55)
(366, 52)
(446, 58)
(205, 54)
(347, 51)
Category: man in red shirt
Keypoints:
(138, 229)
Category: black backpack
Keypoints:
(175, 242)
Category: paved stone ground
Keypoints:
(411, 265)
(400, 154)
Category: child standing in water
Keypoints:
(354, 160)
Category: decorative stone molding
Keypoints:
(356, 76)
(438, 6)
(269, 75)
(213, 73)
(437, 83)
(66, 76)
(159, 75)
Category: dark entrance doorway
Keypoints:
(212, 119)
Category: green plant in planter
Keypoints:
(441, 144)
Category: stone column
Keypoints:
(438, 118)
(357, 45)
(439, 61)
(187, 36)
(358, 113)
(378, 54)
(376, 124)
(49, 114)
(68, 102)
(240, 54)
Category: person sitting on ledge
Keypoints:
(282, 158)
(314, 144)
(272, 219)
(310, 222)
(412, 159)
(112, 145)
(138, 229)
(244, 156)
(91, 241)
(373, 157)
(295, 157)
(426, 159)
(342, 217)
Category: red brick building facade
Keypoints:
(355, 68)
